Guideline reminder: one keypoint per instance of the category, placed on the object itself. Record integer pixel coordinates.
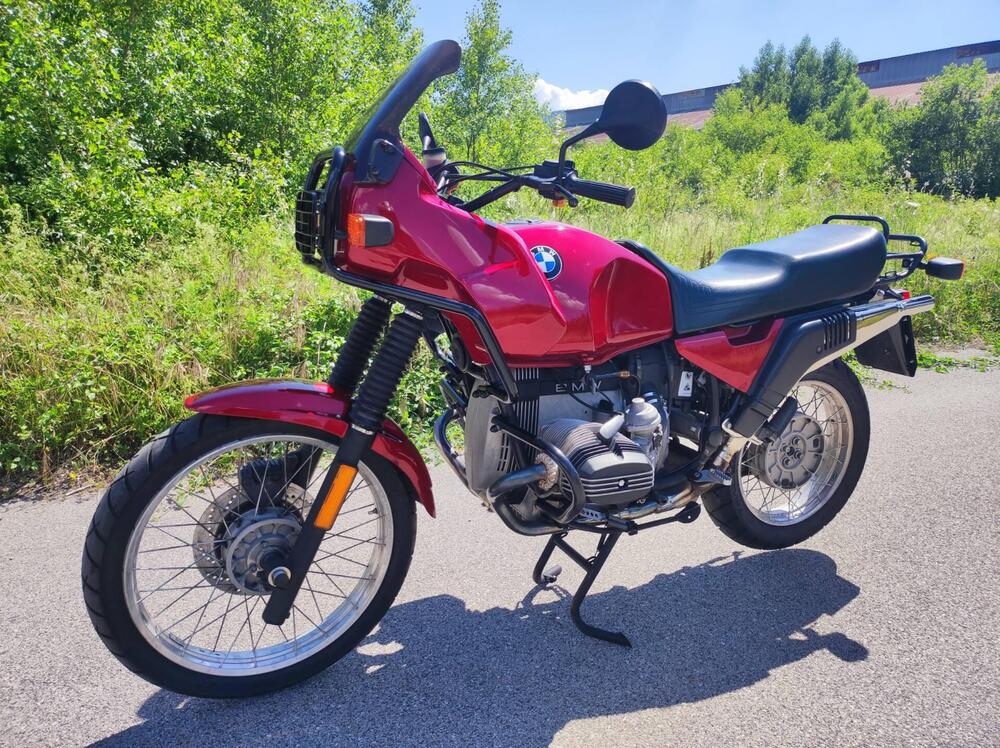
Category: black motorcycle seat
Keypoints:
(811, 267)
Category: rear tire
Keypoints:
(746, 522)
(125, 509)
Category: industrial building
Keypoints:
(897, 79)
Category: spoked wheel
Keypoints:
(182, 553)
(786, 490)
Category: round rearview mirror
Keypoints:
(634, 115)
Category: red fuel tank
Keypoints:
(612, 299)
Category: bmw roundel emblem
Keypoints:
(548, 260)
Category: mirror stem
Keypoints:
(591, 129)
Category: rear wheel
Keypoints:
(177, 560)
(787, 490)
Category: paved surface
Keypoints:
(882, 630)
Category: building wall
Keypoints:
(892, 78)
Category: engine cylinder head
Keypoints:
(612, 472)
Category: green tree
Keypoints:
(112, 111)
(487, 111)
(988, 145)
(806, 81)
(768, 80)
(937, 143)
(822, 89)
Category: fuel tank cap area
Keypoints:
(612, 299)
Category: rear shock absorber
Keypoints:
(360, 343)
(367, 413)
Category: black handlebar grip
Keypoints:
(607, 193)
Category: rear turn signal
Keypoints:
(365, 230)
(945, 268)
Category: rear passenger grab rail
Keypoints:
(910, 260)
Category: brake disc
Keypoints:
(211, 537)
(232, 518)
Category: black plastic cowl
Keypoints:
(803, 341)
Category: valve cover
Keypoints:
(612, 472)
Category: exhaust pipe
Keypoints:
(807, 342)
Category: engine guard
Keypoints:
(319, 406)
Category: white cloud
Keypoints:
(559, 98)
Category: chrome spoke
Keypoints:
(195, 573)
(790, 479)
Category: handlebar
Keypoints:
(550, 186)
(603, 191)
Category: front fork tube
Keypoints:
(350, 365)
(366, 415)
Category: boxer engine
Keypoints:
(614, 442)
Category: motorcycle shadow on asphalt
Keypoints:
(437, 673)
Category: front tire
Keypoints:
(174, 567)
(788, 491)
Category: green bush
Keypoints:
(950, 142)
(149, 153)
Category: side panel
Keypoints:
(321, 407)
(733, 354)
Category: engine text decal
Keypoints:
(549, 261)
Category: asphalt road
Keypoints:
(882, 630)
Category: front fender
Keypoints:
(319, 406)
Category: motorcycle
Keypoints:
(597, 389)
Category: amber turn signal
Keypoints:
(366, 230)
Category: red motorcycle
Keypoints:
(596, 387)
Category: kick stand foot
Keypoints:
(593, 567)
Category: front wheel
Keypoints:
(176, 564)
(789, 489)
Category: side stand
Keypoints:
(592, 566)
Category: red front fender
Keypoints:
(320, 406)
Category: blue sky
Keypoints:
(589, 45)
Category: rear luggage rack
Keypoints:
(910, 260)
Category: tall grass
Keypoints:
(89, 369)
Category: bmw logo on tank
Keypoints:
(549, 261)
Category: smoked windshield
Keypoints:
(387, 112)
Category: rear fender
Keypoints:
(318, 406)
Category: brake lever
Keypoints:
(571, 199)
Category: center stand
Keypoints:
(592, 566)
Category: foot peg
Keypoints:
(710, 475)
(551, 574)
